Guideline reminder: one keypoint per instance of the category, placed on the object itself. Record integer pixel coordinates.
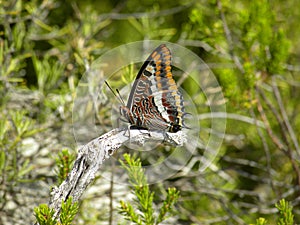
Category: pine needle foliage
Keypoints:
(141, 211)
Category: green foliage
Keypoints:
(261, 221)
(230, 82)
(257, 49)
(204, 25)
(266, 45)
(279, 51)
(64, 162)
(129, 213)
(252, 48)
(2, 161)
(144, 197)
(48, 72)
(14, 168)
(68, 211)
(172, 197)
(286, 214)
(22, 124)
(150, 29)
(44, 214)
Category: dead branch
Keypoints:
(93, 154)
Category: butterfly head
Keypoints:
(174, 128)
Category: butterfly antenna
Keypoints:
(118, 95)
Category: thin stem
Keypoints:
(286, 149)
(264, 118)
(265, 145)
(111, 197)
(286, 121)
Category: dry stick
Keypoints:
(290, 131)
(286, 149)
(266, 122)
(92, 155)
(230, 211)
(111, 197)
(285, 119)
(265, 145)
(278, 118)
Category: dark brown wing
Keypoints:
(155, 80)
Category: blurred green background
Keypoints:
(253, 48)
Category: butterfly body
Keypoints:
(155, 102)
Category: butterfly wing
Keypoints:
(154, 99)
(144, 80)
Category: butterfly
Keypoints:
(155, 102)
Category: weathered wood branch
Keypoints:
(92, 155)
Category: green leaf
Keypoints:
(68, 211)
(64, 163)
(129, 213)
(4, 125)
(261, 221)
(171, 199)
(2, 161)
(286, 214)
(143, 196)
(44, 215)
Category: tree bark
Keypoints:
(92, 155)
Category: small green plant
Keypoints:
(44, 214)
(48, 71)
(144, 197)
(68, 211)
(286, 214)
(261, 221)
(15, 127)
(64, 163)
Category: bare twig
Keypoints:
(284, 148)
(232, 116)
(196, 43)
(93, 154)
(265, 146)
(285, 119)
(111, 196)
(265, 120)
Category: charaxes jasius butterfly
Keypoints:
(155, 102)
